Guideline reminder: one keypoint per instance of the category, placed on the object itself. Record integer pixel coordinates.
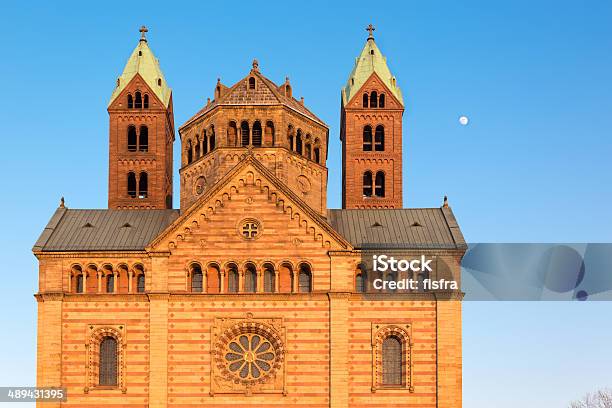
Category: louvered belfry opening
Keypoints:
(108, 361)
(392, 361)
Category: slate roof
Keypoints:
(268, 94)
(103, 230)
(108, 230)
(422, 228)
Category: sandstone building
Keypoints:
(253, 292)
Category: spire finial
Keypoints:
(255, 65)
(143, 30)
(62, 203)
(445, 205)
(370, 28)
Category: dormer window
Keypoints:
(251, 83)
(158, 81)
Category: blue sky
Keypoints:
(533, 165)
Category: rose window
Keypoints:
(249, 357)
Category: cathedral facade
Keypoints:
(253, 292)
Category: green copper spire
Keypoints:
(370, 61)
(143, 62)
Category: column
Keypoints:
(294, 281)
(84, 282)
(338, 350)
(259, 285)
(130, 275)
(99, 282)
(205, 280)
(276, 281)
(115, 281)
(70, 283)
(222, 281)
(241, 281)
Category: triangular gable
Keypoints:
(248, 172)
(120, 101)
(389, 95)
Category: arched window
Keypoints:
(379, 139)
(79, 283)
(308, 151)
(146, 101)
(244, 132)
(143, 139)
(257, 133)
(211, 140)
(204, 142)
(131, 138)
(269, 279)
(232, 279)
(269, 134)
(196, 278)
(317, 154)
(373, 99)
(232, 134)
(290, 138)
(367, 184)
(250, 279)
(189, 152)
(110, 282)
(140, 283)
(138, 102)
(197, 147)
(381, 101)
(379, 185)
(143, 185)
(130, 102)
(131, 184)
(365, 100)
(251, 83)
(361, 280)
(305, 278)
(108, 362)
(298, 142)
(392, 363)
(367, 138)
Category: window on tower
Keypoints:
(379, 139)
(197, 147)
(381, 101)
(143, 185)
(367, 184)
(298, 142)
(373, 100)
(211, 140)
(146, 101)
(379, 188)
(138, 101)
(257, 133)
(365, 100)
(143, 139)
(244, 132)
(131, 138)
(131, 184)
(130, 101)
(367, 138)
(251, 83)
(189, 152)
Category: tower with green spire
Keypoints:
(372, 107)
(141, 134)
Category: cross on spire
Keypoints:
(370, 28)
(143, 30)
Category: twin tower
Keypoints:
(255, 117)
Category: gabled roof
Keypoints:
(370, 61)
(406, 228)
(143, 62)
(103, 230)
(266, 93)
